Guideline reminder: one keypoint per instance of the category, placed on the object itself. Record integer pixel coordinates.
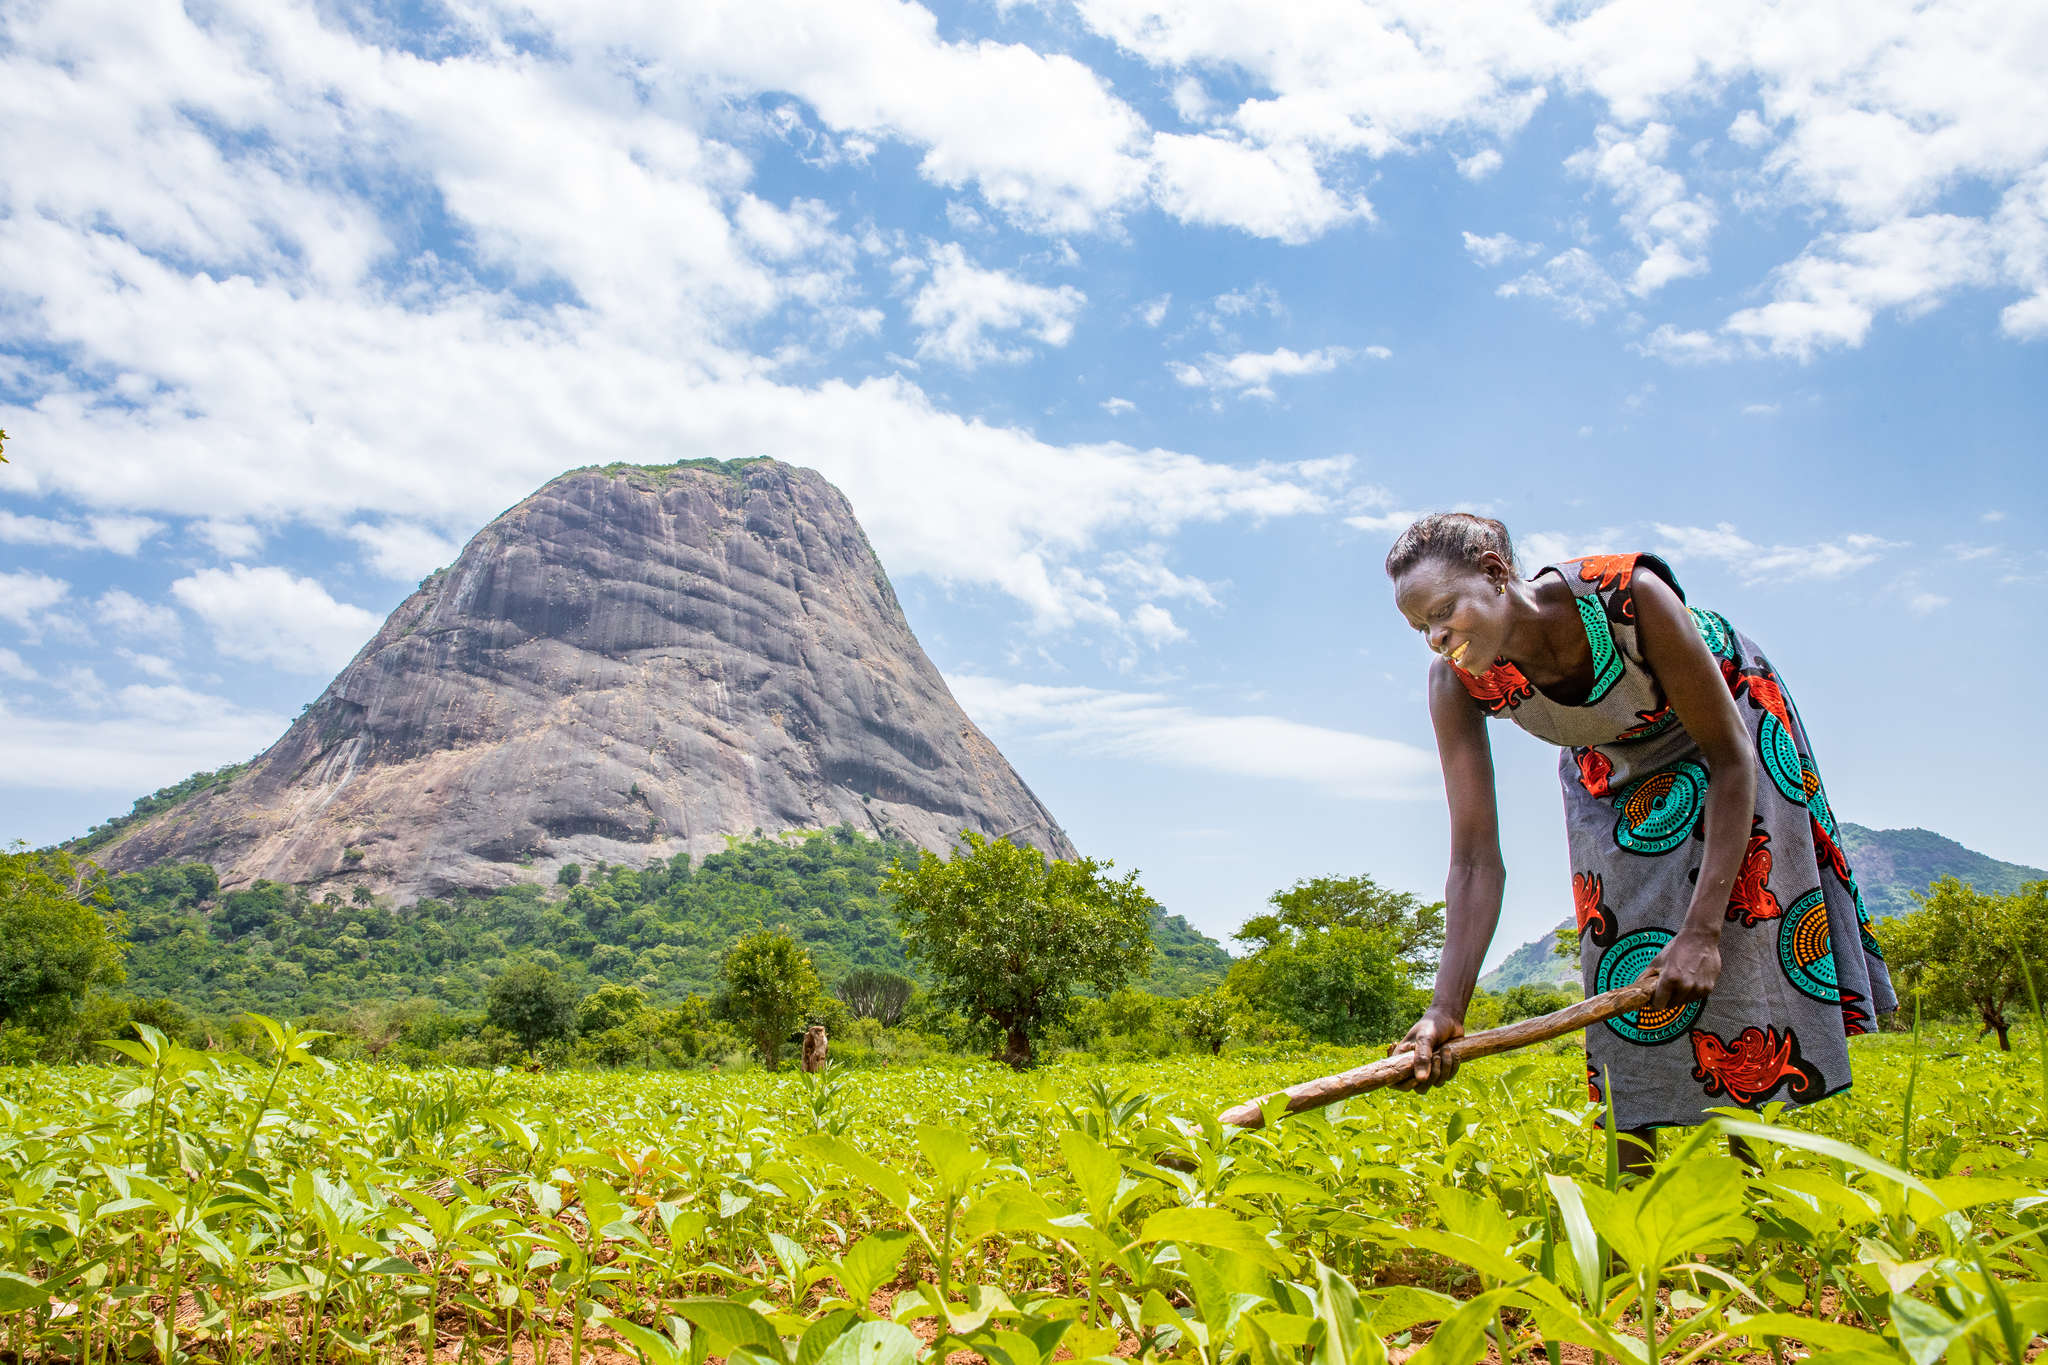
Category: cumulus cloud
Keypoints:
(1480, 164)
(23, 595)
(963, 311)
(1153, 728)
(11, 666)
(1117, 407)
(130, 615)
(121, 535)
(1499, 248)
(1572, 281)
(139, 738)
(270, 615)
(1755, 563)
(1267, 191)
(1668, 226)
(403, 549)
(1251, 373)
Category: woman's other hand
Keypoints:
(1433, 1066)
(1687, 968)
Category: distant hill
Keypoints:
(1890, 865)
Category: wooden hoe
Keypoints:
(1373, 1075)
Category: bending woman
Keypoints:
(1701, 840)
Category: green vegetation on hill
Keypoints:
(162, 799)
(1892, 866)
(662, 927)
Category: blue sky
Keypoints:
(1133, 329)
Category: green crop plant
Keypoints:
(212, 1207)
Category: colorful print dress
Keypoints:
(1800, 971)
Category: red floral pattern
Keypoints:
(1500, 688)
(1589, 908)
(1756, 1063)
(1753, 901)
(1594, 770)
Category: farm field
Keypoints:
(190, 1206)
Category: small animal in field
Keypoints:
(814, 1048)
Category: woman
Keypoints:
(1702, 845)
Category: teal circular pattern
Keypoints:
(1817, 797)
(1658, 812)
(1715, 630)
(1627, 959)
(1806, 951)
(1781, 759)
(1870, 943)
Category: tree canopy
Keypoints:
(1010, 936)
(1343, 958)
(1964, 950)
(770, 984)
(57, 938)
(534, 1005)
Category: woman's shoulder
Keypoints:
(1611, 578)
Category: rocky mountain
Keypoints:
(1890, 865)
(633, 662)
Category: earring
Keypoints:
(1498, 589)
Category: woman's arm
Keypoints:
(1472, 892)
(1692, 682)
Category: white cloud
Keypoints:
(122, 535)
(1667, 342)
(1251, 373)
(154, 665)
(229, 539)
(1921, 602)
(269, 615)
(1480, 164)
(1117, 407)
(1669, 227)
(1760, 410)
(404, 549)
(1144, 572)
(11, 666)
(26, 593)
(1155, 625)
(147, 736)
(1754, 563)
(962, 308)
(1571, 281)
(1153, 728)
(1154, 311)
(130, 615)
(1260, 298)
(1498, 248)
(1266, 191)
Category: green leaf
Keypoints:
(1819, 1332)
(1211, 1227)
(951, 1155)
(869, 1263)
(1095, 1170)
(18, 1292)
(1347, 1336)
(858, 1164)
(823, 1333)
(1827, 1147)
(733, 1327)
(1585, 1243)
(872, 1343)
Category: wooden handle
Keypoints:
(1359, 1080)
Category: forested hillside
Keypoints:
(662, 927)
(1891, 865)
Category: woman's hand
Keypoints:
(1433, 1066)
(1687, 968)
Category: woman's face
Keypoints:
(1458, 609)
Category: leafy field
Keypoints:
(294, 1212)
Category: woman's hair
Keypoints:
(1459, 537)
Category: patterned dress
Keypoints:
(1799, 968)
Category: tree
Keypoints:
(1341, 957)
(770, 984)
(1205, 1019)
(1011, 935)
(875, 993)
(533, 1004)
(1410, 929)
(1963, 949)
(57, 941)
